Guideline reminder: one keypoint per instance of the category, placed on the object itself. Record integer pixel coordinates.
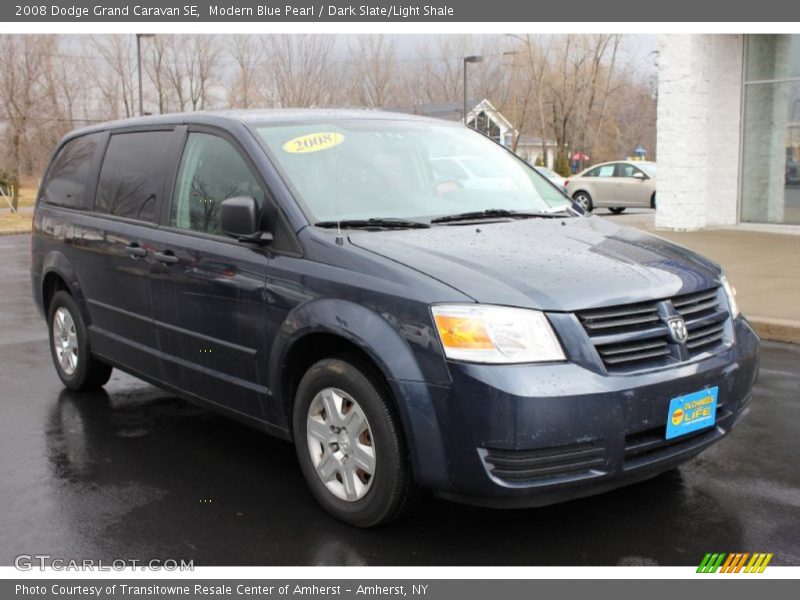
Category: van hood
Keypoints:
(550, 264)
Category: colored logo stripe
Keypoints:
(734, 562)
(758, 563)
(711, 563)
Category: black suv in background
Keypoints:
(322, 276)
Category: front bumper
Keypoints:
(531, 435)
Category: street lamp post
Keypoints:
(515, 132)
(468, 59)
(139, 37)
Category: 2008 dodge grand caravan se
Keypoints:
(336, 278)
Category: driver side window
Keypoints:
(626, 170)
(211, 171)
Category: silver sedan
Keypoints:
(615, 185)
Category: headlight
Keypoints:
(730, 292)
(495, 334)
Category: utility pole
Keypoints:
(469, 59)
(513, 55)
(139, 37)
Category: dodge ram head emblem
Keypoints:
(677, 328)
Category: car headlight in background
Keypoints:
(495, 334)
(730, 292)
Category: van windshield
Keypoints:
(394, 169)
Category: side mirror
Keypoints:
(239, 218)
(639, 175)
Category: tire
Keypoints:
(330, 455)
(69, 346)
(617, 210)
(653, 200)
(584, 200)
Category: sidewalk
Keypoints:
(764, 267)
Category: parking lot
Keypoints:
(132, 472)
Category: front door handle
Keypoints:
(134, 250)
(166, 257)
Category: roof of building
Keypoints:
(448, 111)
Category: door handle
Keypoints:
(134, 250)
(166, 257)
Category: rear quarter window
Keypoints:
(132, 175)
(70, 171)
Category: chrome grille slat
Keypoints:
(696, 308)
(679, 301)
(631, 348)
(616, 360)
(704, 342)
(706, 320)
(628, 336)
(612, 313)
(626, 322)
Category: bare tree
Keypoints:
(116, 79)
(303, 71)
(201, 55)
(375, 67)
(246, 90)
(22, 84)
(175, 70)
(156, 69)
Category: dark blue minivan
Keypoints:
(344, 280)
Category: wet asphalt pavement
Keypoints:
(132, 472)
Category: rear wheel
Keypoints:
(69, 346)
(350, 444)
(617, 210)
(584, 200)
(653, 200)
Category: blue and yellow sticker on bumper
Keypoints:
(692, 412)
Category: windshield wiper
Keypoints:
(375, 223)
(490, 213)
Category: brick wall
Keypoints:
(699, 107)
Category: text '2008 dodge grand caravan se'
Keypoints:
(330, 278)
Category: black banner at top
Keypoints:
(455, 11)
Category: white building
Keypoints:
(728, 130)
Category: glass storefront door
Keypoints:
(770, 180)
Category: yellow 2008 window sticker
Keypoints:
(313, 142)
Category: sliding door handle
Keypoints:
(134, 250)
(167, 257)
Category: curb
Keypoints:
(22, 232)
(776, 330)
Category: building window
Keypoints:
(770, 181)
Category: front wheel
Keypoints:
(69, 346)
(350, 444)
(617, 210)
(584, 200)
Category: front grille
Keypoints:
(573, 461)
(636, 336)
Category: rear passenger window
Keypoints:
(605, 171)
(132, 175)
(71, 169)
(211, 170)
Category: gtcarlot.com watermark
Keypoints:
(42, 562)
